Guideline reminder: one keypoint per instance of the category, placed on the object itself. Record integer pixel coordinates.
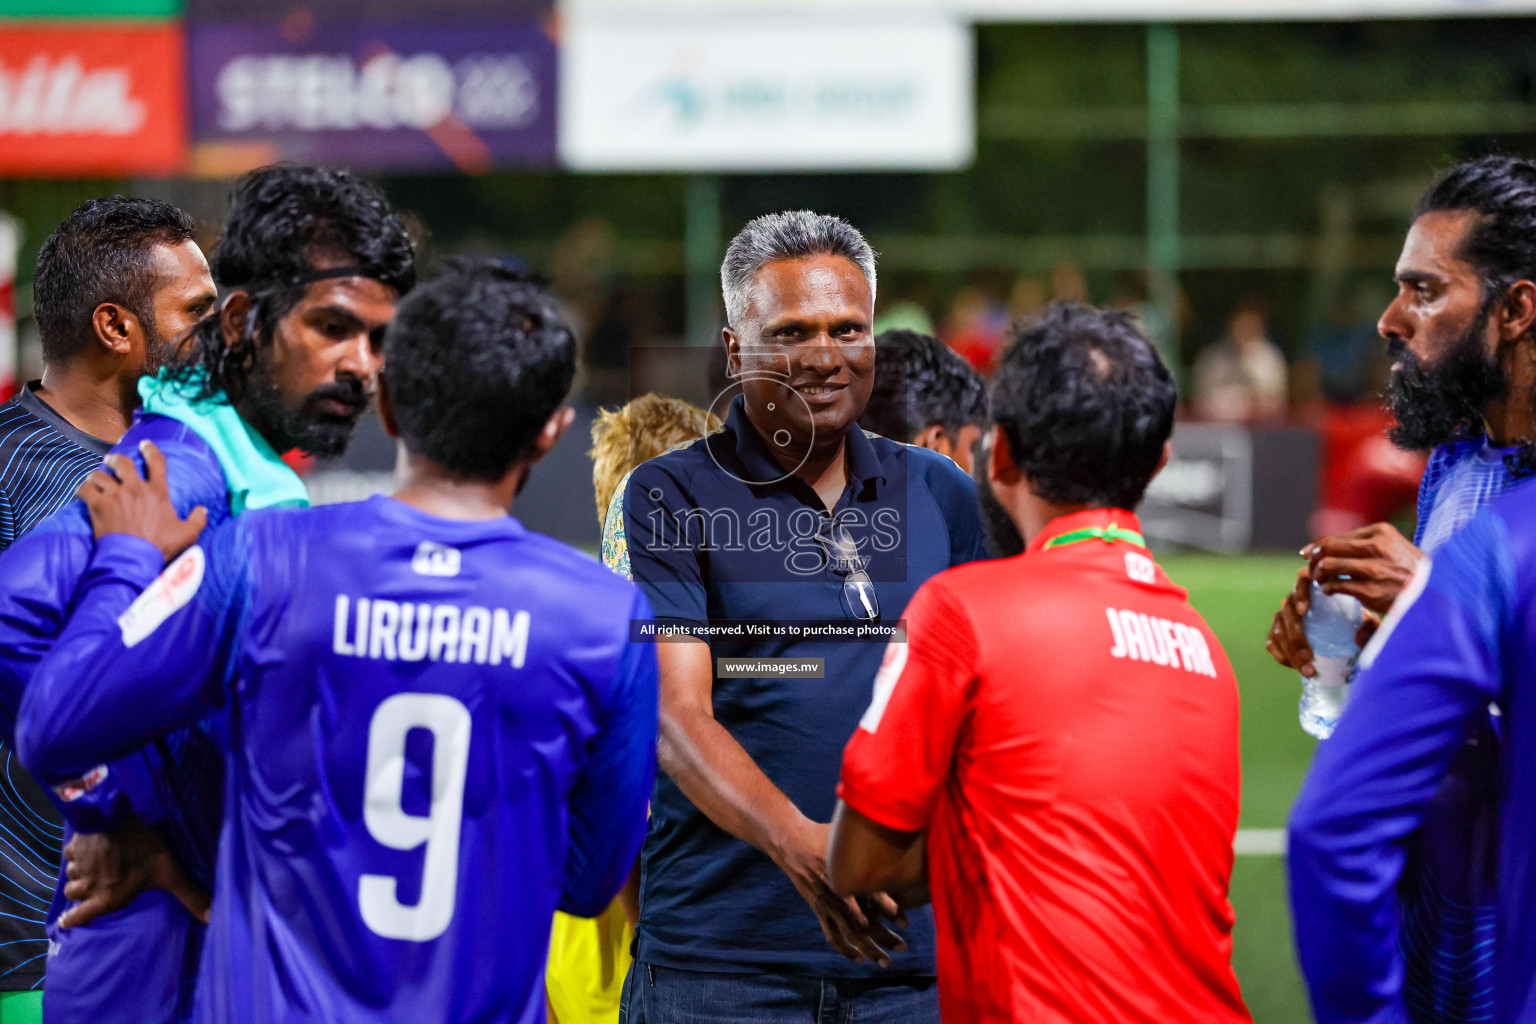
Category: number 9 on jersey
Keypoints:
(448, 721)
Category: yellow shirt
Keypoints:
(589, 957)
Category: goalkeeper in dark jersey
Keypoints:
(117, 284)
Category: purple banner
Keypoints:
(378, 96)
(341, 11)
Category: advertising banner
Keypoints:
(1068, 10)
(379, 97)
(700, 94)
(1239, 10)
(99, 9)
(80, 101)
(340, 11)
(1231, 488)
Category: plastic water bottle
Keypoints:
(1330, 622)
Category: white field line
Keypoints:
(1260, 842)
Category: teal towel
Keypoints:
(256, 475)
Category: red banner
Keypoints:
(10, 242)
(82, 101)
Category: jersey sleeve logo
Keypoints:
(1140, 568)
(432, 559)
(885, 684)
(168, 594)
(74, 789)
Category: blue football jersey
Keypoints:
(135, 966)
(1461, 635)
(1449, 893)
(440, 734)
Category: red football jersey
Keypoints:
(1064, 727)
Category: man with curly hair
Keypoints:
(1054, 750)
(623, 438)
(352, 889)
(309, 270)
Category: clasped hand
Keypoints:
(1372, 564)
(857, 927)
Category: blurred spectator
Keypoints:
(976, 328)
(582, 266)
(1068, 284)
(904, 315)
(926, 395)
(1026, 298)
(1346, 350)
(1161, 328)
(1242, 377)
(1365, 477)
(622, 321)
(607, 317)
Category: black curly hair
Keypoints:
(920, 382)
(1085, 404)
(476, 361)
(1501, 246)
(101, 253)
(287, 224)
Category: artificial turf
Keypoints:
(1238, 597)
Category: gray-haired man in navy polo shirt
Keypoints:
(790, 514)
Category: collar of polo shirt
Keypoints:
(863, 464)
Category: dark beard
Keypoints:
(311, 431)
(1003, 538)
(156, 356)
(157, 350)
(1442, 403)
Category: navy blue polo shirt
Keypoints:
(717, 531)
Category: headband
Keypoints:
(308, 277)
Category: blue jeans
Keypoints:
(665, 995)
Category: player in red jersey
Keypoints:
(1058, 738)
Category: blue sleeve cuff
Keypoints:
(111, 795)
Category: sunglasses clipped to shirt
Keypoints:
(859, 598)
